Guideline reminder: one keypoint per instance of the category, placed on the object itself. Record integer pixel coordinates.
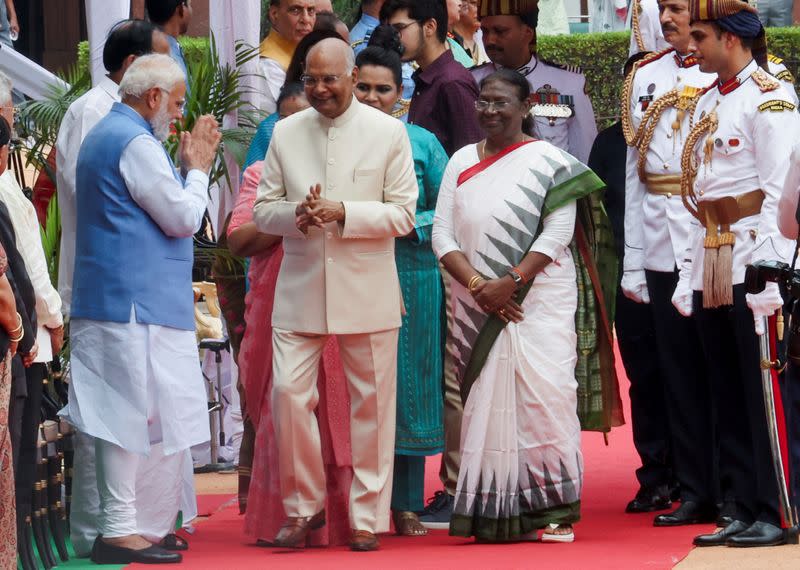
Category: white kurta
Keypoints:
(273, 78)
(29, 244)
(146, 374)
(81, 116)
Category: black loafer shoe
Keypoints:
(720, 538)
(650, 499)
(104, 553)
(759, 534)
(689, 512)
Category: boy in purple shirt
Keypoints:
(445, 94)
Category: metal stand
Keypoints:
(216, 407)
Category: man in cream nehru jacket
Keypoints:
(339, 186)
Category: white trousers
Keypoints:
(370, 364)
(157, 500)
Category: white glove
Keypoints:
(764, 304)
(634, 286)
(682, 298)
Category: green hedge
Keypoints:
(600, 55)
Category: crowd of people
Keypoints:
(437, 240)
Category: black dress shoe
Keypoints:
(759, 534)
(104, 553)
(726, 514)
(689, 512)
(724, 520)
(650, 499)
(720, 538)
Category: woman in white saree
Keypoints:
(504, 223)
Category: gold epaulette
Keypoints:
(631, 137)
(774, 59)
(357, 43)
(765, 82)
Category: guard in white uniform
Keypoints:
(658, 98)
(735, 162)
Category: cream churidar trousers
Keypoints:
(370, 364)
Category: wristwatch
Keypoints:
(516, 276)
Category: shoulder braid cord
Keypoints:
(637, 31)
(718, 246)
(705, 126)
(631, 137)
(652, 116)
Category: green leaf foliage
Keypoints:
(601, 56)
(51, 238)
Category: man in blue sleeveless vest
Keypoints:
(136, 382)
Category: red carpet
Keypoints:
(605, 538)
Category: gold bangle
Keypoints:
(17, 328)
(477, 278)
(19, 338)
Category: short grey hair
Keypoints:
(5, 89)
(148, 71)
(350, 58)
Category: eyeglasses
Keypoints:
(327, 80)
(482, 105)
(400, 26)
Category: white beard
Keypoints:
(161, 122)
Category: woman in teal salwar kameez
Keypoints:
(420, 350)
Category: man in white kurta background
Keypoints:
(132, 331)
(290, 21)
(338, 277)
(125, 42)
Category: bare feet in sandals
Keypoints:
(406, 523)
(558, 533)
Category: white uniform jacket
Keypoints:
(657, 226)
(751, 150)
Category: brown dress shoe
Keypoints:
(363, 541)
(296, 530)
(407, 523)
